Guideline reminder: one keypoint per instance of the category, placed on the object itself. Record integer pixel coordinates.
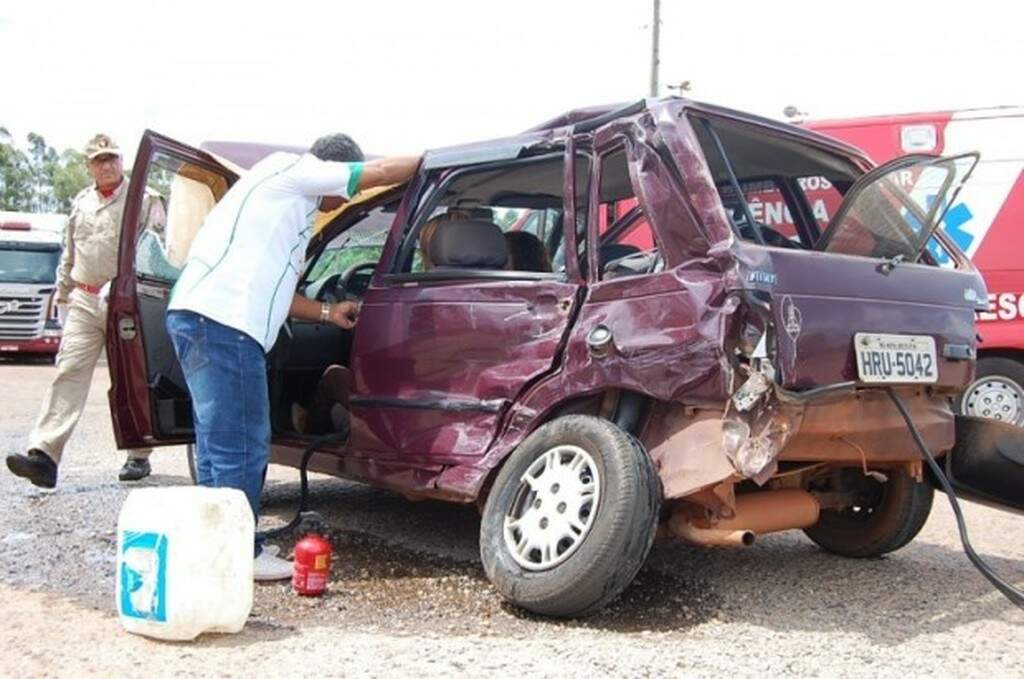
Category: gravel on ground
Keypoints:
(408, 595)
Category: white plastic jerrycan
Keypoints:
(184, 561)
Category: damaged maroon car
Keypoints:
(594, 331)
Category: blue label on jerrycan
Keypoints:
(144, 576)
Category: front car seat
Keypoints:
(468, 244)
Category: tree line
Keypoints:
(39, 178)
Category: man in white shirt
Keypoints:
(236, 291)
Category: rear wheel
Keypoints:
(571, 517)
(886, 516)
(997, 393)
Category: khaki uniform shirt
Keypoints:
(93, 234)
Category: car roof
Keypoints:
(556, 130)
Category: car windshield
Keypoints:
(21, 265)
(360, 244)
(893, 211)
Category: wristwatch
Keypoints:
(325, 312)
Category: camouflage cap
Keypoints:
(100, 145)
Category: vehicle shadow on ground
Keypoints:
(787, 584)
(783, 583)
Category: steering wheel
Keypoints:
(341, 285)
(322, 290)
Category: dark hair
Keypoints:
(337, 147)
(526, 252)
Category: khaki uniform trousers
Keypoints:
(80, 347)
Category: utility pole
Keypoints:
(655, 36)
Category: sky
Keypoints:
(401, 77)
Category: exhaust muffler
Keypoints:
(756, 514)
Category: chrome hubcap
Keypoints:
(997, 398)
(553, 508)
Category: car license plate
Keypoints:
(895, 358)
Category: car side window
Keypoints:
(178, 197)
(361, 243)
(500, 217)
(823, 199)
(777, 190)
(770, 208)
(627, 245)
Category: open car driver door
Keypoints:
(173, 187)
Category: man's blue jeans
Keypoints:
(226, 372)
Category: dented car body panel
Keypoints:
(441, 366)
(672, 333)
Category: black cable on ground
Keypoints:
(1009, 591)
(307, 455)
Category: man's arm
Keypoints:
(387, 171)
(342, 314)
(314, 177)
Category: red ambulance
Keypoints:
(986, 221)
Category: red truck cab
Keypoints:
(30, 248)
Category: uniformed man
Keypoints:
(88, 263)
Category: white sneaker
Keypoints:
(272, 550)
(268, 567)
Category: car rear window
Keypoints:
(893, 211)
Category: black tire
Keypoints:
(1002, 370)
(898, 511)
(620, 533)
(190, 455)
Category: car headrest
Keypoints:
(526, 252)
(468, 244)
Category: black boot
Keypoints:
(36, 466)
(134, 470)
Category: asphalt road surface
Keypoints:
(408, 595)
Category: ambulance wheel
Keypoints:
(997, 391)
(887, 517)
(570, 518)
(190, 455)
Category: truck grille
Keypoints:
(23, 315)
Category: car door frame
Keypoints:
(387, 283)
(131, 403)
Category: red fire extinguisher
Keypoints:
(312, 565)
